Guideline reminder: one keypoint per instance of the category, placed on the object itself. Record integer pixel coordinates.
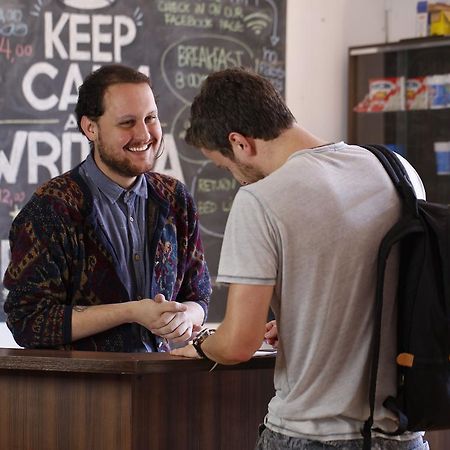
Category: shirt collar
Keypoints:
(109, 188)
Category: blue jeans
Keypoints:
(270, 440)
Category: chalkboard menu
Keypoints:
(47, 47)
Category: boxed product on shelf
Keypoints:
(363, 105)
(386, 94)
(438, 91)
(398, 94)
(422, 19)
(442, 154)
(416, 93)
(439, 19)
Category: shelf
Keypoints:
(405, 45)
(406, 111)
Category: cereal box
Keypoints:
(386, 94)
(416, 93)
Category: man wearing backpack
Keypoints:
(302, 237)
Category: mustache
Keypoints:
(160, 149)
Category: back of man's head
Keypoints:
(236, 100)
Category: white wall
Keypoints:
(319, 33)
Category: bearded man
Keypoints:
(108, 256)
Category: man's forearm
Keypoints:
(225, 347)
(242, 330)
(90, 320)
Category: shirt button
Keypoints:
(131, 219)
(137, 257)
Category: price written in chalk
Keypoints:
(8, 197)
(14, 51)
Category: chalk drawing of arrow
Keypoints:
(274, 38)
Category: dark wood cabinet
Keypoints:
(412, 132)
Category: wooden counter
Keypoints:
(56, 400)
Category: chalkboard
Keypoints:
(47, 47)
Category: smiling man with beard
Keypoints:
(108, 256)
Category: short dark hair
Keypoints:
(236, 100)
(92, 91)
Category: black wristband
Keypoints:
(198, 349)
(198, 340)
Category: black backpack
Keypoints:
(422, 402)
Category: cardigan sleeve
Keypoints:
(37, 277)
(196, 284)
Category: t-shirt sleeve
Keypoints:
(249, 254)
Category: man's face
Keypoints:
(128, 135)
(243, 173)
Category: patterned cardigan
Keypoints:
(61, 258)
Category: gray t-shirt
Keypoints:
(312, 229)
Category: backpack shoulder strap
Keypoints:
(398, 174)
(402, 183)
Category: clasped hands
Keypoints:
(168, 319)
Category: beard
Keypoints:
(124, 166)
(250, 174)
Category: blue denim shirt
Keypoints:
(122, 215)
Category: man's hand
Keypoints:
(188, 352)
(271, 334)
(174, 321)
(175, 327)
(156, 314)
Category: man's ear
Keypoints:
(241, 145)
(89, 127)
